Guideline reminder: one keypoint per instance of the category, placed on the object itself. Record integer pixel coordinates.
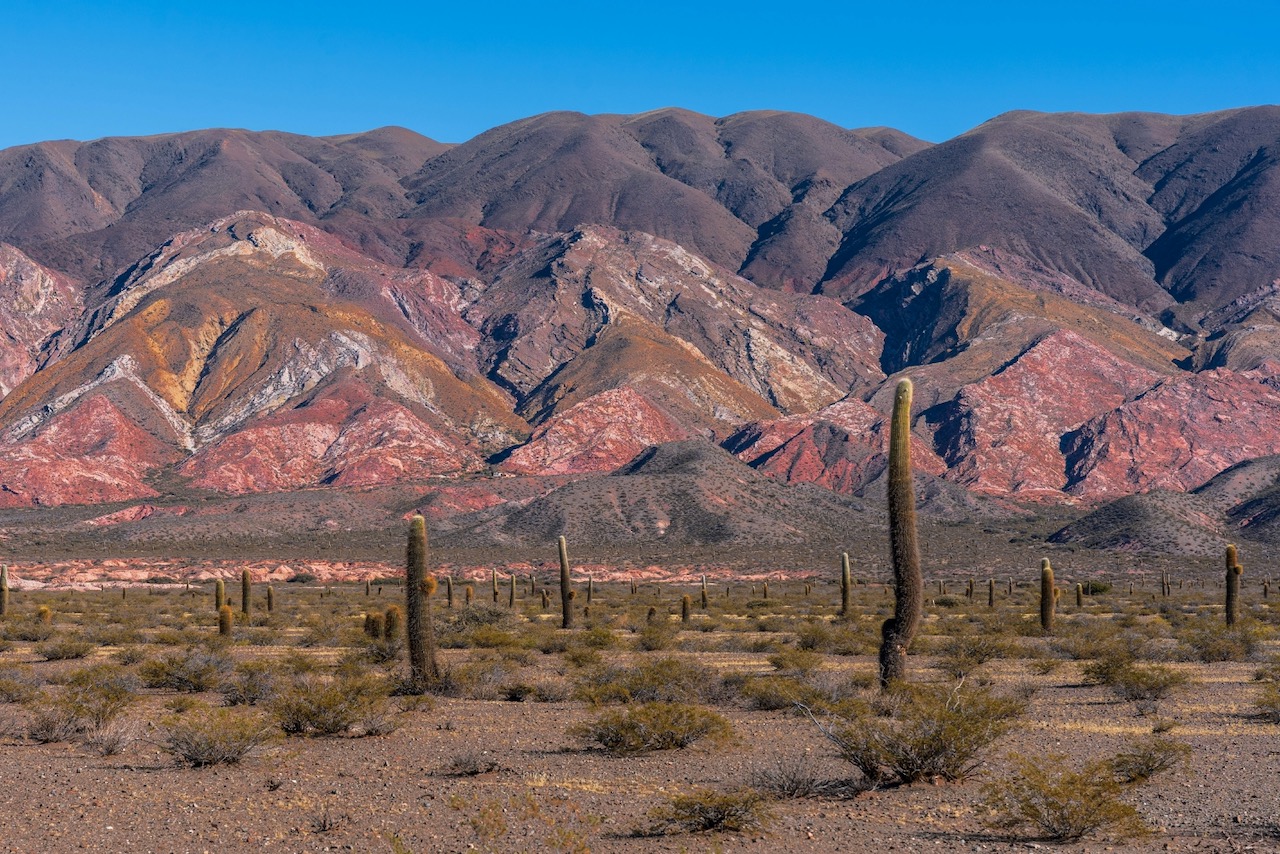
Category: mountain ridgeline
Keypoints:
(511, 330)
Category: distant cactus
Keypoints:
(652, 616)
(246, 592)
(511, 594)
(469, 593)
(424, 668)
(685, 604)
(225, 617)
(991, 592)
(368, 587)
(494, 576)
(271, 599)
(766, 590)
(4, 591)
(393, 623)
(448, 590)
(376, 625)
(591, 589)
(846, 585)
(124, 593)
(219, 594)
(704, 593)
(1234, 571)
(898, 631)
(1266, 590)
(566, 587)
(1079, 595)
(1048, 596)
(546, 599)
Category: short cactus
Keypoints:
(271, 599)
(685, 604)
(44, 614)
(393, 623)
(469, 594)
(225, 618)
(1079, 595)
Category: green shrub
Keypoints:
(1147, 757)
(1061, 805)
(669, 679)
(63, 649)
(654, 726)
(922, 733)
(1147, 683)
(1210, 642)
(315, 705)
(739, 811)
(655, 637)
(214, 737)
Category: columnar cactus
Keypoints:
(546, 599)
(1079, 595)
(1048, 596)
(448, 590)
(494, 575)
(704, 592)
(246, 592)
(908, 582)
(591, 589)
(991, 592)
(1234, 571)
(511, 593)
(566, 587)
(271, 599)
(685, 604)
(219, 594)
(4, 591)
(468, 594)
(424, 669)
(846, 585)
(225, 618)
(368, 587)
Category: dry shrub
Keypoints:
(1147, 757)
(702, 810)
(654, 726)
(214, 737)
(191, 670)
(316, 705)
(922, 732)
(673, 680)
(1060, 805)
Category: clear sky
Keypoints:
(83, 70)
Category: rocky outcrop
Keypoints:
(35, 303)
(1176, 436)
(342, 437)
(597, 435)
(843, 447)
(89, 454)
(1002, 435)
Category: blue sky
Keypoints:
(84, 70)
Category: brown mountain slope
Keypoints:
(708, 184)
(91, 208)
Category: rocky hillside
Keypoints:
(499, 328)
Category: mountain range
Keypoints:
(512, 333)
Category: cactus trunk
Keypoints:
(908, 582)
(1048, 596)
(246, 592)
(424, 669)
(1234, 571)
(566, 587)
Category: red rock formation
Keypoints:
(842, 447)
(597, 435)
(90, 454)
(344, 437)
(1002, 435)
(1176, 436)
(35, 302)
